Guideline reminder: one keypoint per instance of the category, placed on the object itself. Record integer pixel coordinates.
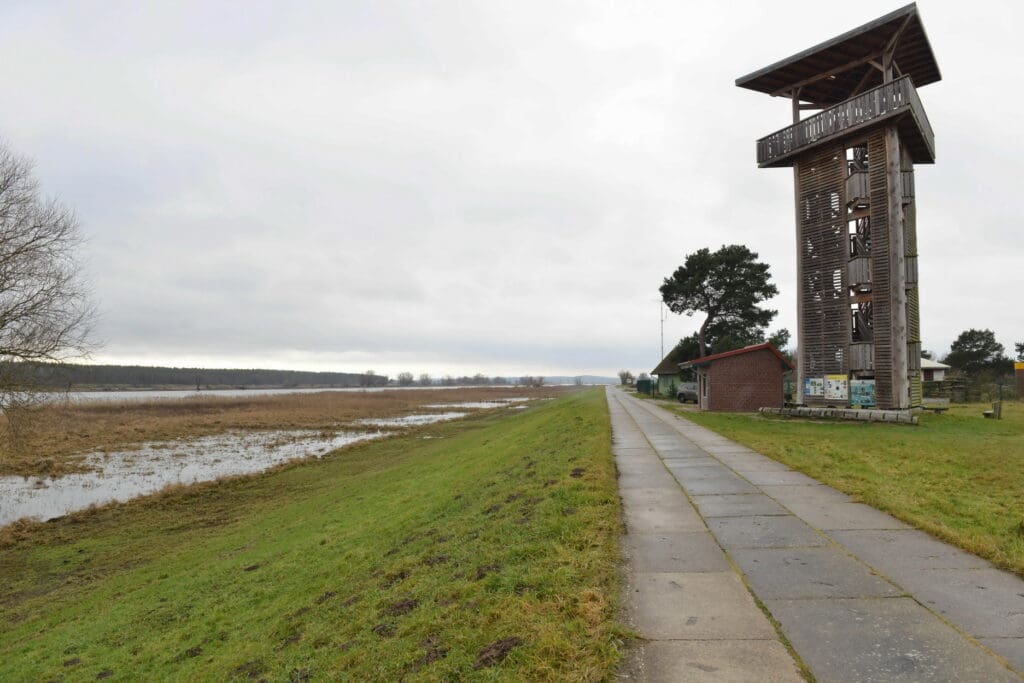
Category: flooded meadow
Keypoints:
(134, 448)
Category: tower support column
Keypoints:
(897, 270)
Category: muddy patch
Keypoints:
(324, 597)
(251, 669)
(401, 607)
(384, 630)
(395, 578)
(486, 569)
(496, 652)
(432, 651)
(577, 472)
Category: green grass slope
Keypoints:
(489, 553)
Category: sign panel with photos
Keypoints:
(862, 392)
(837, 387)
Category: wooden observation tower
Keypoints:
(858, 322)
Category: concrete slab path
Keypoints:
(859, 595)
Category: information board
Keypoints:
(814, 386)
(862, 392)
(836, 387)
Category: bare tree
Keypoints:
(405, 379)
(426, 380)
(45, 308)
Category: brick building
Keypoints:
(742, 380)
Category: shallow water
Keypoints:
(410, 420)
(479, 405)
(124, 475)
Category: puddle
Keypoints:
(410, 420)
(124, 475)
(478, 405)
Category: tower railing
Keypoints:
(888, 99)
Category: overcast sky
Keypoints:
(461, 187)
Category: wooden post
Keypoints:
(897, 270)
(801, 346)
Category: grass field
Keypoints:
(488, 552)
(957, 475)
(53, 437)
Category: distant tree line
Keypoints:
(406, 379)
(142, 377)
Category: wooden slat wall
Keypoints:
(862, 356)
(859, 271)
(824, 253)
(913, 293)
(880, 280)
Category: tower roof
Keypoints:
(829, 72)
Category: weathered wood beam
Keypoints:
(863, 82)
(891, 45)
(890, 51)
(897, 271)
(831, 72)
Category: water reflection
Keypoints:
(124, 475)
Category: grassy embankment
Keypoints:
(488, 553)
(957, 476)
(52, 438)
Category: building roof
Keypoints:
(706, 360)
(829, 72)
(929, 364)
(669, 365)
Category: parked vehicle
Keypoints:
(687, 392)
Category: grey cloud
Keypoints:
(458, 186)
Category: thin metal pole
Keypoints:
(661, 315)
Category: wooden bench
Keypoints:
(937, 405)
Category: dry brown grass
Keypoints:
(54, 437)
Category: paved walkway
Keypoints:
(859, 595)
